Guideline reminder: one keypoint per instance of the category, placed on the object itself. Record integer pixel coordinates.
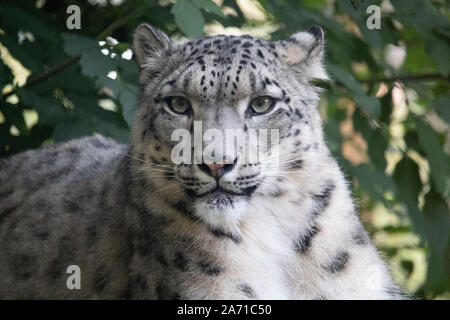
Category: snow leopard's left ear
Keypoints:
(304, 52)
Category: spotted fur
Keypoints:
(141, 227)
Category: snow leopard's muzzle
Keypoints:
(220, 183)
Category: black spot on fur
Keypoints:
(91, 235)
(99, 144)
(23, 266)
(338, 262)
(222, 234)
(322, 199)
(54, 176)
(181, 262)
(6, 193)
(210, 268)
(297, 164)
(303, 242)
(249, 190)
(276, 194)
(138, 282)
(298, 114)
(247, 290)
(5, 213)
(72, 206)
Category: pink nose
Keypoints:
(214, 168)
(217, 170)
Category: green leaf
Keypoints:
(188, 18)
(208, 5)
(368, 103)
(72, 127)
(439, 161)
(50, 110)
(333, 136)
(406, 177)
(439, 50)
(15, 19)
(442, 107)
(93, 63)
(20, 52)
(437, 217)
(377, 145)
(128, 100)
(102, 121)
(374, 182)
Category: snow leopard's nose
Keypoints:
(217, 170)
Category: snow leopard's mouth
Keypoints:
(219, 191)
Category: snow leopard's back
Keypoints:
(58, 207)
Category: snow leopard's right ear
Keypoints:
(149, 43)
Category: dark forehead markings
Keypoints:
(252, 80)
(259, 53)
(194, 52)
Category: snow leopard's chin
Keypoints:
(221, 210)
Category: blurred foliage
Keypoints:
(386, 118)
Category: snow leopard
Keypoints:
(137, 225)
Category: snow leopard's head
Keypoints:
(219, 83)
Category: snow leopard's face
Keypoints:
(221, 83)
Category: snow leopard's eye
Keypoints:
(179, 105)
(261, 105)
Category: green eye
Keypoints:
(179, 104)
(261, 105)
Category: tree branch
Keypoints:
(414, 77)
